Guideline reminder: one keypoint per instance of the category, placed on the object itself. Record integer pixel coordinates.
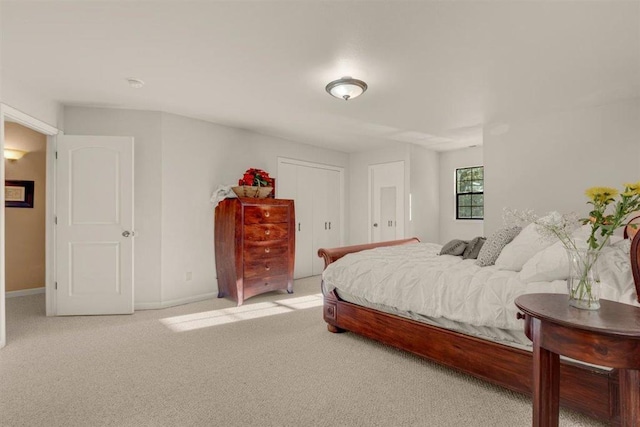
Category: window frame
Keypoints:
(470, 193)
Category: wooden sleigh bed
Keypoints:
(586, 389)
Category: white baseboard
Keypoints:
(173, 303)
(24, 292)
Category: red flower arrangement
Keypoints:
(257, 178)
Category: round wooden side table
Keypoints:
(609, 337)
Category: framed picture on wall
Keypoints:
(18, 194)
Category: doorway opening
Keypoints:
(25, 212)
(9, 115)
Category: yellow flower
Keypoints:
(632, 189)
(601, 194)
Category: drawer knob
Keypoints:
(266, 214)
(267, 250)
(267, 232)
(519, 315)
(266, 267)
(266, 283)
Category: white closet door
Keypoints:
(304, 225)
(326, 213)
(317, 194)
(333, 207)
(294, 183)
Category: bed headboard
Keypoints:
(635, 263)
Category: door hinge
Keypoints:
(56, 286)
(56, 155)
(55, 220)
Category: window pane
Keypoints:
(464, 212)
(477, 212)
(464, 200)
(478, 173)
(477, 200)
(465, 187)
(478, 187)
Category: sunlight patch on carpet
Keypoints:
(205, 319)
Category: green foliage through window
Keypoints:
(470, 193)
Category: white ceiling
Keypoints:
(438, 72)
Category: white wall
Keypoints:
(145, 127)
(450, 227)
(179, 162)
(545, 163)
(198, 156)
(21, 97)
(424, 187)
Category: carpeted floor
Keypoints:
(194, 365)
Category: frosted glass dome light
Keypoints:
(346, 88)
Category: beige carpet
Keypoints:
(279, 370)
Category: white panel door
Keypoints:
(293, 183)
(386, 194)
(326, 213)
(94, 232)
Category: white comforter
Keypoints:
(415, 279)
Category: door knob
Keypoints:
(375, 224)
(128, 233)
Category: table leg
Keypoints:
(629, 397)
(546, 381)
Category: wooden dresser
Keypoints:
(255, 246)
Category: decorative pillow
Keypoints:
(455, 247)
(493, 246)
(523, 247)
(473, 248)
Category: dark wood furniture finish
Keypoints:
(587, 389)
(609, 336)
(255, 246)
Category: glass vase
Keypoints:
(583, 283)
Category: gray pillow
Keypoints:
(454, 247)
(495, 243)
(473, 248)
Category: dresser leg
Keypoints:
(289, 291)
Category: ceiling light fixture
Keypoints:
(346, 88)
(12, 154)
(135, 83)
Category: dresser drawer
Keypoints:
(259, 285)
(265, 266)
(265, 214)
(262, 232)
(267, 248)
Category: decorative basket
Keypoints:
(252, 191)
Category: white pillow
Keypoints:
(547, 265)
(521, 249)
(552, 263)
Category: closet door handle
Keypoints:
(329, 225)
(325, 225)
(298, 226)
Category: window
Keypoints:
(470, 193)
